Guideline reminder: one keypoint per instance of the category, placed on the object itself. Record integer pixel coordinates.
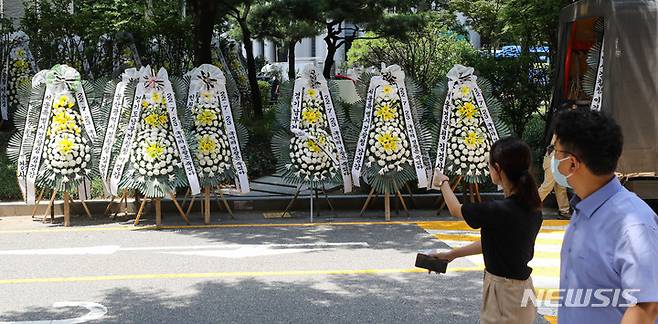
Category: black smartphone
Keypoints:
(427, 262)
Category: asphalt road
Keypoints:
(329, 273)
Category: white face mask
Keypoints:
(560, 178)
(500, 188)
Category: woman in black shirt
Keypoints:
(508, 229)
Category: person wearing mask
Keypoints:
(508, 229)
(549, 184)
(609, 256)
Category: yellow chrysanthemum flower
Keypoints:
(206, 117)
(465, 90)
(155, 120)
(63, 101)
(145, 104)
(312, 93)
(311, 115)
(313, 146)
(473, 139)
(388, 141)
(207, 144)
(65, 146)
(156, 97)
(154, 150)
(62, 118)
(467, 111)
(206, 96)
(21, 64)
(385, 112)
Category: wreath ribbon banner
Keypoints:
(130, 133)
(24, 154)
(459, 76)
(311, 77)
(210, 78)
(119, 101)
(360, 153)
(4, 78)
(39, 143)
(179, 135)
(598, 87)
(242, 179)
(397, 75)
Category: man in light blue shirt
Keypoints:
(609, 257)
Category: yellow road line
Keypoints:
(428, 225)
(547, 255)
(473, 238)
(462, 226)
(131, 228)
(210, 275)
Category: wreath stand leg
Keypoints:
(109, 205)
(85, 207)
(206, 205)
(139, 212)
(453, 186)
(180, 209)
(387, 205)
(221, 195)
(411, 195)
(404, 204)
(158, 212)
(477, 193)
(189, 207)
(187, 195)
(50, 208)
(365, 205)
(292, 201)
(326, 197)
(36, 205)
(313, 193)
(67, 209)
(122, 202)
(471, 192)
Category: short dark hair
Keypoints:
(592, 137)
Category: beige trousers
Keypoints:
(502, 298)
(550, 185)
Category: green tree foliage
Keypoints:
(526, 23)
(427, 54)
(161, 36)
(392, 18)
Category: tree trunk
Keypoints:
(292, 73)
(256, 102)
(331, 40)
(329, 60)
(148, 10)
(204, 12)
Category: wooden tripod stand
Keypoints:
(315, 193)
(387, 203)
(205, 203)
(50, 207)
(158, 209)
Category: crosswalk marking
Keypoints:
(545, 263)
